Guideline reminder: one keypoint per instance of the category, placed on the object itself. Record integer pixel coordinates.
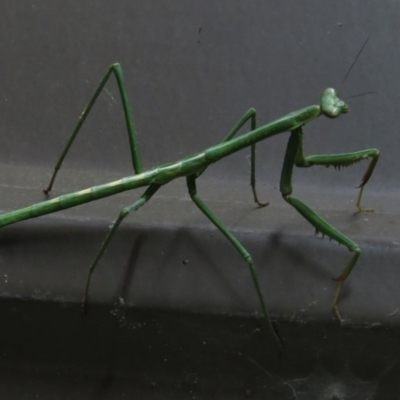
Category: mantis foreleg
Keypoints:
(191, 183)
(124, 212)
(134, 145)
(341, 160)
(293, 150)
(326, 229)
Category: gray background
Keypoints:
(192, 68)
(188, 88)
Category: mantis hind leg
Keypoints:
(124, 212)
(250, 114)
(134, 145)
(191, 183)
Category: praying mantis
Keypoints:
(192, 167)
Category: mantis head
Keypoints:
(331, 105)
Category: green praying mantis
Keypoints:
(192, 166)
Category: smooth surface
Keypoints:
(169, 247)
(192, 70)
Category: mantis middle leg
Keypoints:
(124, 212)
(191, 183)
(252, 115)
(132, 134)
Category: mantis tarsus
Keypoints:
(193, 166)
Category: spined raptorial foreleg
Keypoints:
(191, 183)
(134, 145)
(344, 160)
(294, 154)
(326, 229)
(124, 212)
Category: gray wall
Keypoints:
(192, 68)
